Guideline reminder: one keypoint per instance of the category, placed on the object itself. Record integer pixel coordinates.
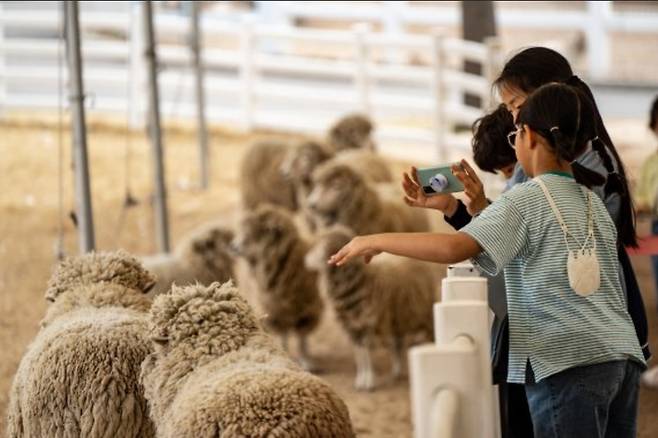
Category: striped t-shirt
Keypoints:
(551, 326)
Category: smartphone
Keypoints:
(435, 180)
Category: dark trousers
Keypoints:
(593, 401)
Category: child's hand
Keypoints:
(357, 247)
(473, 188)
(415, 197)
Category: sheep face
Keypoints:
(300, 162)
(201, 320)
(117, 267)
(267, 227)
(327, 244)
(351, 132)
(213, 245)
(333, 188)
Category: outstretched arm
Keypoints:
(431, 247)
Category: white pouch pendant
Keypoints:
(584, 272)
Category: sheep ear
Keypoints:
(148, 287)
(160, 340)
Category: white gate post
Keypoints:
(3, 65)
(598, 42)
(247, 72)
(439, 100)
(361, 60)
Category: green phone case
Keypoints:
(426, 174)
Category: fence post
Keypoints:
(361, 73)
(136, 70)
(598, 44)
(199, 66)
(439, 125)
(393, 16)
(247, 72)
(491, 68)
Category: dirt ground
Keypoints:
(30, 221)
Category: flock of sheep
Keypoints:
(168, 346)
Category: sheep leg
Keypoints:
(396, 369)
(304, 359)
(358, 359)
(284, 342)
(368, 371)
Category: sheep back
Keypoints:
(79, 377)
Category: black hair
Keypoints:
(536, 66)
(653, 115)
(490, 148)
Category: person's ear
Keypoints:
(531, 137)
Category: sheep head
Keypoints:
(334, 187)
(300, 161)
(211, 245)
(265, 228)
(351, 132)
(116, 267)
(202, 320)
(97, 295)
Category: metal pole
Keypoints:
(161, 219)
(76, 97)
(195, 45)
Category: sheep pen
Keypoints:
(29, 224)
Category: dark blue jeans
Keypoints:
(594, 401)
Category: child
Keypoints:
(536, 66)
(646, 196)
(491, 153)
(572, 343)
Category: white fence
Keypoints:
(451, 382)
(257, 75)
(596, 20)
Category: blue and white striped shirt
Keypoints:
(552, 327)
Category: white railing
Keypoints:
(595, 20)
(451, 383)
(260, 76)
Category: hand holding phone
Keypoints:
(438, 180)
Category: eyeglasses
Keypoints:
(511, 137)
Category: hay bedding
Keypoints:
(29, 224)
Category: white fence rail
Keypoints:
(258, 76)
(597, 20)
(451, 384)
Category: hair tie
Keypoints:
(554, 128)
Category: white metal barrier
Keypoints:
(451, 385)
(252, 81)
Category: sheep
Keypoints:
(269, 241)
(261, 178)
(80, 375)
(202, 256)
(341, 196)
(300, 162)
(384, 302)
(214, 372)
(351, 132)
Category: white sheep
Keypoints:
(341, 196)
(385, 302)
(269, 241)
(80, 376)
(215, 373)
(203, 256)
